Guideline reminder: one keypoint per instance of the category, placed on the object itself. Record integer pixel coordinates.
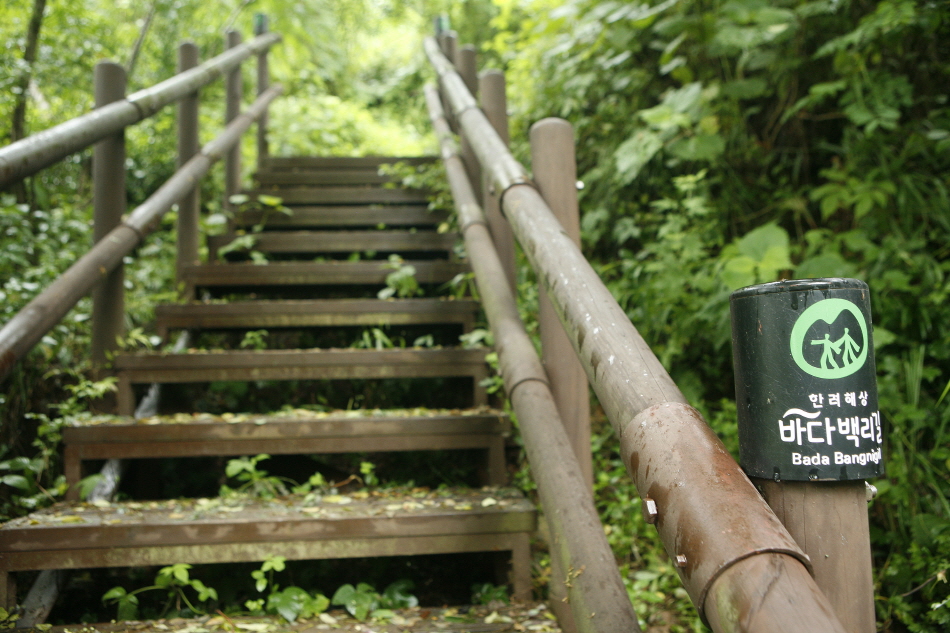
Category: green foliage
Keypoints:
(291, 602)
(362, 601)
(254, 339)
(253, 480)
(814, 138)
(173, 580)
(402, 281)
(485, 593)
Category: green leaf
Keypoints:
(343, 595)
(276, 563)
(699, 147)
(398, 596)
(114, 594)
(634, 153)
(774, 260)
(288, 603)
(238, 198)
(315, 605)
(260, 580)
(825, 265)
(739, 272)
(882, 337)
(745, 88)
(757, 242)
(270, 201)
(16, 481)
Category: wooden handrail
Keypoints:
(741, 568)
(31, 323)
(577, 537)
(31, 154)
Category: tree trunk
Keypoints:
(17, 129)
(137, 48)
(18, 125)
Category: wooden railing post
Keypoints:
(233, 93)
(263, 82)
(109, 203)
(188, 207)
(495, 106)
(467, 65)
(450, 47)
(555, 174)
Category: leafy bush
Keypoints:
(740, 141)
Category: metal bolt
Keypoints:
(649, 510)
(681, 560)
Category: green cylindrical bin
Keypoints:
(805, 381)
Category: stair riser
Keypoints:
(315, 274)
(313, 217)
(268, 179)
(341, 242)
(343, 195)
(300, 163)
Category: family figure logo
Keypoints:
(843, 351)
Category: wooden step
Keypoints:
(243, 529)
(314, 242)
(343, 195)
(331, 273)
(325, 313)
(316, 364)
(494, 618)
(322, 177)
(345, 216)
(292, 432)
(341, 162)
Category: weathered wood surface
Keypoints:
(309, 242)
(232, 365)
(191, 435)
(377, 514)
(345, 216)
(335, 363)
(380, 523)
(315, 313)
(315, 273)
(316, 178)
(521, 616)
(342, 162)
(76, 536)
(343, 195)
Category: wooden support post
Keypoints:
(189, 206)
(450, 44)
(263, 83)
(555, 174)
(466, 62)
(829, 521)
(7, 590)
(109, 202)
(467, 65)
(233, 94)
(495, 105)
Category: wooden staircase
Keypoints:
(340, 206)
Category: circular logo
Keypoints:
(824, 342)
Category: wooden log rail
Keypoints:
(29, 155)
(31, 323)
(740, 566)
(596, 595)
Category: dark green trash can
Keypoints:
(805, 381)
